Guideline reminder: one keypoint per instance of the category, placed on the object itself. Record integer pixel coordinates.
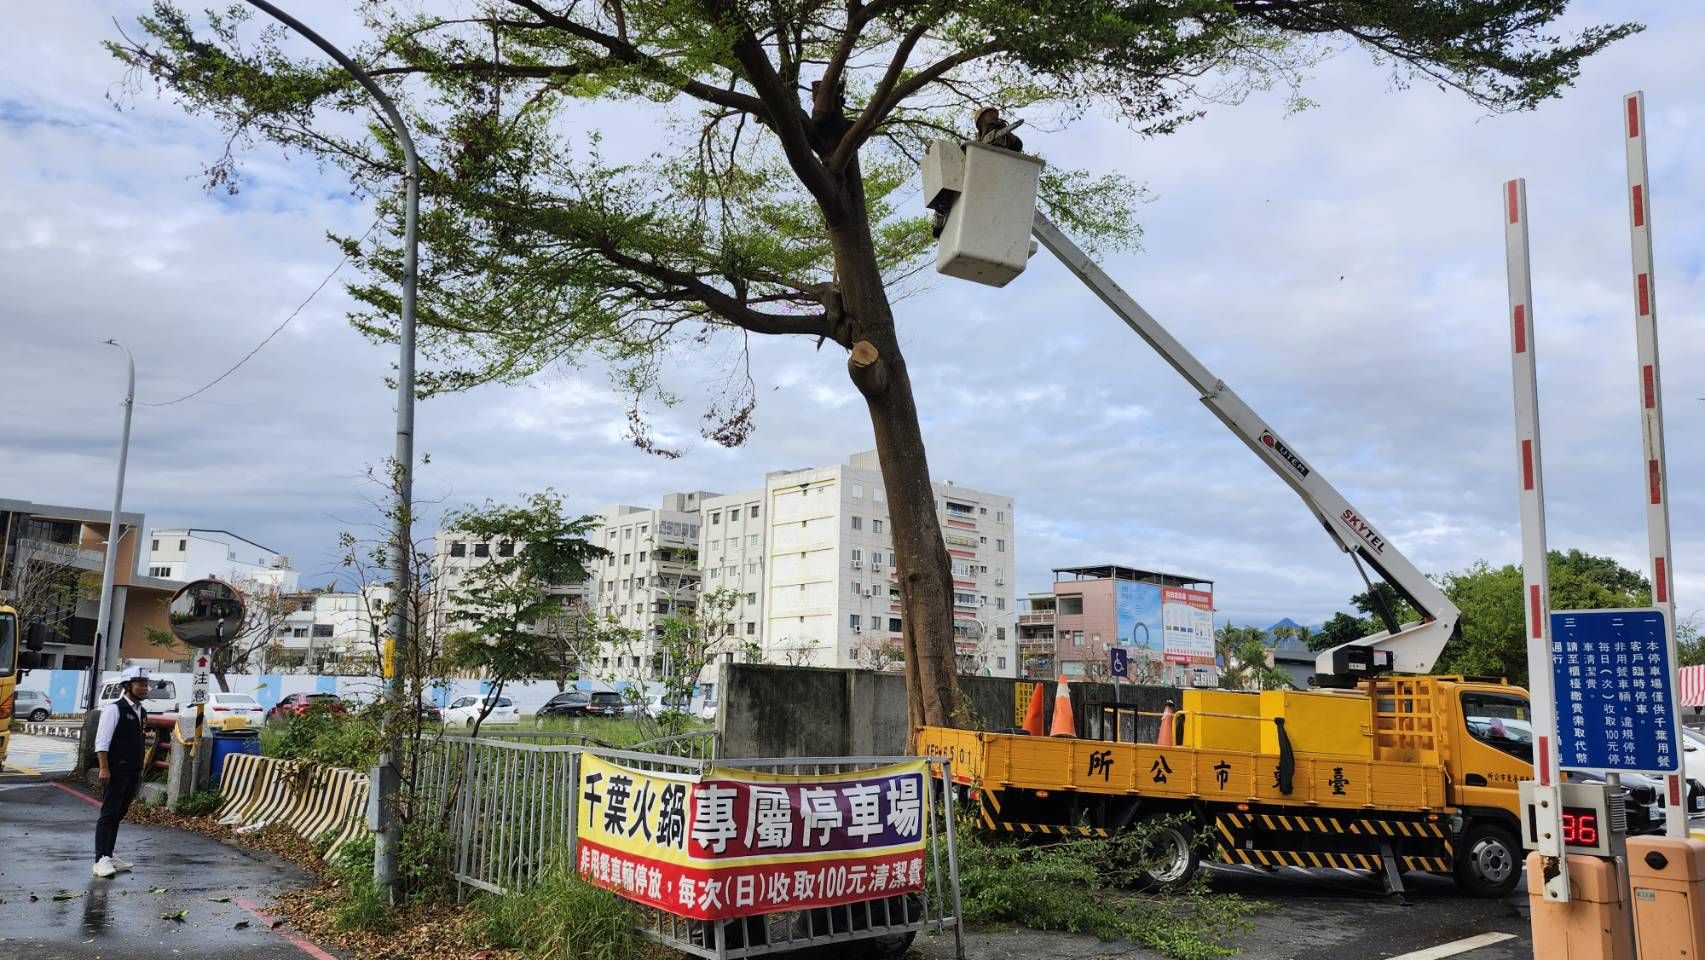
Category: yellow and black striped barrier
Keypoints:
(1268, 839)
(313, 800)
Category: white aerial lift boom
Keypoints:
(981, 194)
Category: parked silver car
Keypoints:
(31, 705)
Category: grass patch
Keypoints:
(1075, 886)
(617, 732)
(561, 917)
(355, 901)
(198, 804)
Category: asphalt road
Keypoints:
(1311, 915)
(51, 908)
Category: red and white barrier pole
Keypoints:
(1656, 487)
(1536, 585)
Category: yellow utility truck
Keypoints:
(1375, 770)
(1401, 774)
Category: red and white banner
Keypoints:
(734, 843)
(1692, 688)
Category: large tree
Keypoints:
(1494, 624)
(783, 134)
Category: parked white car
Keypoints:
(464, 711)
(162, 696)
(223, 706)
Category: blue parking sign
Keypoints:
(1616, 706)
(1120, 662)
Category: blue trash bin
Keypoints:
(228, 742)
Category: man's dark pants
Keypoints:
(121, 790)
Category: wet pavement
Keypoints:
(1311, 915)
(55, 910)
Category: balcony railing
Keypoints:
(1026, 618)
(63, 554)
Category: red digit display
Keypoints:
(1580, 827)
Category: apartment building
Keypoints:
(831, 587)
(1037, 648)
(328, 632)
(732, 540)
(185, 554)
(652, 572)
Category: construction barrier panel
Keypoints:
(314, 801)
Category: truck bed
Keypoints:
(1002, 762)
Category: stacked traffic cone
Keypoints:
(1164, 738)
(1063, 725)
(1033, 714)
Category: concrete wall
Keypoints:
(770, 710)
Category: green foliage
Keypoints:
(1494, 624)
(1339, 629)
(1082, 886)
(507, 598)
(1689, 642)
(690, 641)
(561, 917)
(357, 902)
(350, 741)
(1244, 651)
(760, 200)
(198, 804)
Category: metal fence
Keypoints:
(512, 807)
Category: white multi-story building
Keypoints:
(329, 632)
(186, 554)
(651, 573)
(732, 539)
(831, 594)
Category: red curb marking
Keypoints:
(249, 905)
(76, 793)
(297, 941)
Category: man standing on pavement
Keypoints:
(118, 748)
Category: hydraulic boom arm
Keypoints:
(1414, 647)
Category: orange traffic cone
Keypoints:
(1033, 714)
(1063, 725)
(1164, 738)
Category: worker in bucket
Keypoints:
(118, 750)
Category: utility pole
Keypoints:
(381, 810)
(105, 649)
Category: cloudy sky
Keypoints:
(1341, 268)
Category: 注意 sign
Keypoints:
(734, 843)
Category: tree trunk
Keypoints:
(878, 370)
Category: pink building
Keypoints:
(1164, 620)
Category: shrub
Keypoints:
(561, 917)
(322, 736)
(198, 804)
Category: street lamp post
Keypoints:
(105, 650)
(381, 811)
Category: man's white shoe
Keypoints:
(104, 867)
(120, 865)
